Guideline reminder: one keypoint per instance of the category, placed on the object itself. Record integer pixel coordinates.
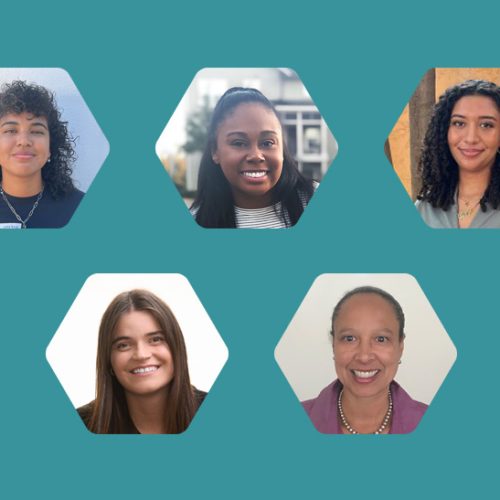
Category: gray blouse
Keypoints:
(439, 218)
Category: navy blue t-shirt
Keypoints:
(50, 212)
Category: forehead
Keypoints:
(479, 105)
(136, 323)
(24, 117)
(249, 116)
(366, 309)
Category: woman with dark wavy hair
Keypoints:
(460, 162)
(142, 383)
(36, 156)
(247, 177)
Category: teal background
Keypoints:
(251, 438)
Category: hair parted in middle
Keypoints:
(214, 203)
(398, 310)
(438, 169)
(110, 412)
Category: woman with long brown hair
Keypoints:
(142, 383)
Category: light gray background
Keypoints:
(305, 351)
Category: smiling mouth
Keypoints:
(23, 156)
(365, 374)
(254, 174)
(470, 152)
(144, 370)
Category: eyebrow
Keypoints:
(236, 132)
(349, 330)
(484, 117)
(13, 122)
(124, 337)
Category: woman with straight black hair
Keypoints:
(247, 178)
(142, 383)
(460, 162)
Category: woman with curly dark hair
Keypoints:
(36, 156)
(460, 162)
(142, 383)
(247, 178)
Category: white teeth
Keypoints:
(147, 369)
(255, 175)
(363, 374)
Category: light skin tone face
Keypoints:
(140, 356)
(24, 150)
(366, 347)
(474, 134)
(250, 153)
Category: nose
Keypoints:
(23, 139)
(142, 351)
(471, 136)
(255, 154)
(365, 352)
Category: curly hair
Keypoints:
(437, 167)
(21, 97)
(214, 204)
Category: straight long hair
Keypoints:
(214, 203)
(110, 413)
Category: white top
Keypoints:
(261, 218)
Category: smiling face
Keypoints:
(24, 146)
(366, 345)
(474, 133)
(249, 150)
(140, 356)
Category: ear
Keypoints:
(215, 158)
(401, 347)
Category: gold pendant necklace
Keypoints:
(469, 208)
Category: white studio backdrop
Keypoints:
(91, 145)
(305, 354)
(72, 351)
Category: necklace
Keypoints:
(382, 427)
(13, 210)
(468, 210)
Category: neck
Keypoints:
(148, 413)
(473, 184)
(365, 414)
(245, 201)
(22, 187)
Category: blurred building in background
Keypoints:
(307, 136)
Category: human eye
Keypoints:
(157, 339)
(348, 339)
(9, 130)
(487, 125)
(238, 143)
(122, 345)
(457, 123)
(38, 132)
(268, 143)
(381, 339)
